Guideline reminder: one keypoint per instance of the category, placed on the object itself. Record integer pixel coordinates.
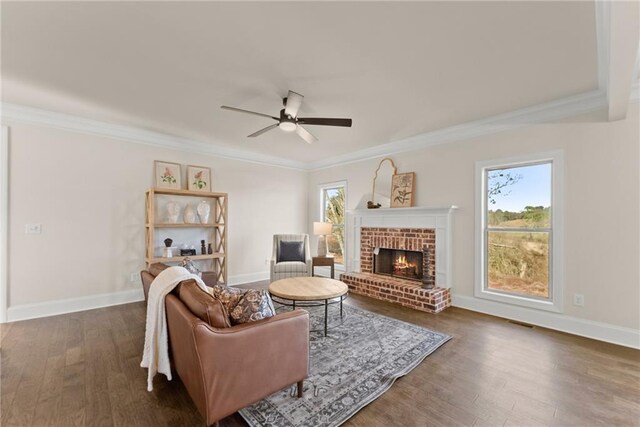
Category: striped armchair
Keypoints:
(282, 270)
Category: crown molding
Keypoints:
(542, 113)
(38, 117)
(537, 114)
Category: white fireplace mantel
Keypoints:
(440, 219)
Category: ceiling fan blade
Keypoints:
(261, 131)
(325, 122)
(224, 107)
(294, 101)
(304, 134)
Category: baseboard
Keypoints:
(241, 279)
(71, 305)
(627, 337)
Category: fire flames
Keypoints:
(402, 267)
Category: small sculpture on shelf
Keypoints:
(203, 212)
(189, 214)
(187, 250)
(173, 212)
(209, 249)
(167, 253)
(203, 249)
(371, 205)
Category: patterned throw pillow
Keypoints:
(229, 297)
(254, 305)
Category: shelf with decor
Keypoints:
(166, 211)
(163, 225)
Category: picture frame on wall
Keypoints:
(402, 190)
(168, 175)
(198, 178)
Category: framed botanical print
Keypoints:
(402, 190)
(168, 175)
(198, 178)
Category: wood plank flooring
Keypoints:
(84, 369)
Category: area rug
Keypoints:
(355, 364)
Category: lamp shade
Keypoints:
(322, 228)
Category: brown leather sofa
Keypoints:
(225, 368)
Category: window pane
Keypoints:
(518, 262)
(335, 244)
(333, 212)
(519, 197)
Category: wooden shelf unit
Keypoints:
(216, 231)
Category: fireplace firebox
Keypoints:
(399, 263)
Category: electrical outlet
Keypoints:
(578, 299)
(33, 228)
(134, 277)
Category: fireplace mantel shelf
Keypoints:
(404, 211)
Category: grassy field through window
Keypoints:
(519, 262)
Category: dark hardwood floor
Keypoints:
(84, 369)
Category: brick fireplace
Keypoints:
(421, 240)
(370, 239)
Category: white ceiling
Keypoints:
(397, 69)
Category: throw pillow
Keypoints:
(191, 267)
(291, 251)
(229, 297)
(254, 305)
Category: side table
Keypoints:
(322, 261)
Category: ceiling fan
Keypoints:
(289, 120)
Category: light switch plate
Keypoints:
(33, 228)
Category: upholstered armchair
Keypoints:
(291, 256)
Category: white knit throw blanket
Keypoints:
(156, 337)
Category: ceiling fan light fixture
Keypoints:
(287, 126)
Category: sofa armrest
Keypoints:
(248, 362)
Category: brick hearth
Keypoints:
(408, 293)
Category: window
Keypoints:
(332, 205)
(518, 239)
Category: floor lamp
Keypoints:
(322, 229)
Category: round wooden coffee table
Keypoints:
(303, 289)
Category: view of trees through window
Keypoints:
(518, 229)
(333, 212)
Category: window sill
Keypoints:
(521, 301)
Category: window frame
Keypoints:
(322, 188)
(556, 253)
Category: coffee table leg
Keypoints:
(294, 304)
(326, 311)
(341, 299)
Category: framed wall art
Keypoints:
(402, 190)
(168, 175)
(198, 178)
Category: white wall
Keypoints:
(88, 194)
(602, 205)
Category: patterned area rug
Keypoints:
(355, 364)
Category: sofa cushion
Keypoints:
(157, 268)
(202, 304)
(290, 267)
(254, 305)
(291, 251)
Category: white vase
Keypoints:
(203, 212)
(189, 214)
(173, 212)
